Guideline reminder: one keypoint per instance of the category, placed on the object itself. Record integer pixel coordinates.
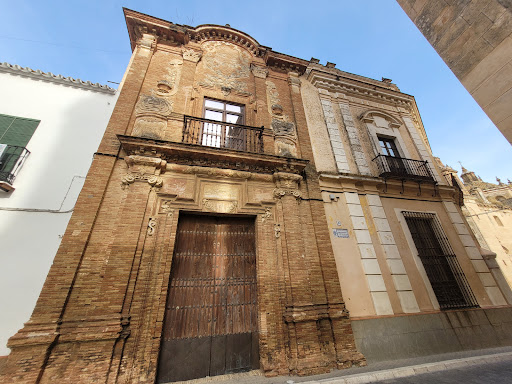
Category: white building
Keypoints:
(50, 127)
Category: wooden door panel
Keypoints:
(184, 359)
(212, 296)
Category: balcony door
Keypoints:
(393, 162)
(211, 314)
(227, 133)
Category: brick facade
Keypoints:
(100, 315)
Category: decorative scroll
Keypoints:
(152, 180)
(277, 230)
(151, 226)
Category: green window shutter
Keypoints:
(16, 130)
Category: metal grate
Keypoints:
(443, 270)
(402, 168)
(12, 158)
(212, 133)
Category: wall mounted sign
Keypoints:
(342, 233)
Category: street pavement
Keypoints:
(484, 366)
(487, 373)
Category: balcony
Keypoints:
(405, 169)
(12, 158)
(217, 134)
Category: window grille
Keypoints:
(443, 270)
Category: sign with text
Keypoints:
(342, 233)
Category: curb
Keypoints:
(395, 373)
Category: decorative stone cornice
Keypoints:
(58, 79)
(357, 87)
(172, 34)
(204, 156)
(208, 32)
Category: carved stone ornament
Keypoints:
(287, 180)
(220, 206)
(281, 128)
(258, 71)
(277, 109)
(279, 193)
(153, 105)
(277, 230)
(147, 41)
(272, 94)
(293, 79)
(166, 207)
(224, 65)
(284, 147)
(163, 87)
(152, 180)
(267, 215)
(151, 226)
(191, 55)
(149, 127)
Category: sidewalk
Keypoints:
(375, 371)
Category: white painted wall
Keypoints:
(73, 121)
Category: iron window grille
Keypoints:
(448, 281)
(12, 158)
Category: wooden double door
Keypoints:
(211, 313)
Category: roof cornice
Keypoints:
(50, 77)
(358, 86)
(176, 35)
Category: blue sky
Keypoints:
(373, 38)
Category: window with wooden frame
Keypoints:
(388, 146)
(227, 133)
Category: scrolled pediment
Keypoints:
(369, 117)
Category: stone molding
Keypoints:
(152, 180)
(193, 155)
(191, 55)
(260, 72)
(359, 89)
(368, 117)
(58, 79)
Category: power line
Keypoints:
(64, 45)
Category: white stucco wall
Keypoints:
(73, 121)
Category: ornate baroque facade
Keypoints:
(101, 314)
(236, 195)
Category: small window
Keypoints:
(498, 221)
(15, 133)
(388, 147)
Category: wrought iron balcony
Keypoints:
(12, 158)
(401, 168)
(219, 134)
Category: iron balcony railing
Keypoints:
(401, 168)
(12, 158)
(219, 134)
